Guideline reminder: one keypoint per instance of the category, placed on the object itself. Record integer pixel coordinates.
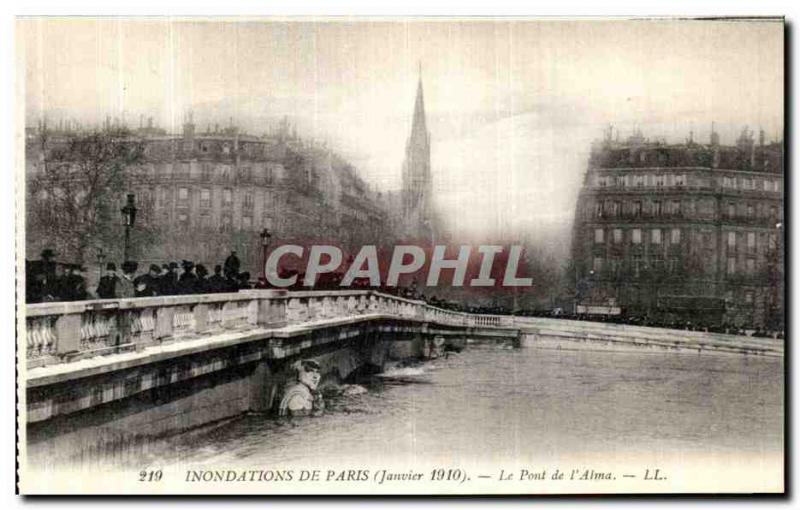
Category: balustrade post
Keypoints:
(272, 313)
(146, 332)
(164, 322)
(68, 334)
(200, 318)
(227, 308)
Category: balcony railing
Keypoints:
(63, 332)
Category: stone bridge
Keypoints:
(102, 375)
(100, 371)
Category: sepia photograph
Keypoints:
(400, 255)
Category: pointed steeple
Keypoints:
(419, 128)
(417, 187)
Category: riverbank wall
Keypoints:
(568, 334)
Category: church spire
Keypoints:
(417, 186)
(419, 128)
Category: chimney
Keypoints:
(188, 127)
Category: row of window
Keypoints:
(639, 264)
(751, 183)
(225, 222)
(615, 208)
(750, 240)
(640, 181)
(674, 236)
(676, 208)
(733, 268)
(617, 235)
(679, 180)
(750, 212)
(204, 196)
(208, 171)
(204, 146)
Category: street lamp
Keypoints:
(101, 257)
(129, 216)
(265, 236)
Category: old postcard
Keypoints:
(400, 255)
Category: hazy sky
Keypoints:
(512, 105)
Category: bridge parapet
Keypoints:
(70, 331)
(58, 332)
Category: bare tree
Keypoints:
(76, 186)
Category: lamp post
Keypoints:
(265, 236)
(101, 257)
(129, 216)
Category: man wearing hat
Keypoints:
(107, 288)
(147, 285)
(217, 283)
(202, 286)
(168, 281)
(187, 283)
(73, 284)
(125, 285)
(232, 264)
(48, 265)
(301, 398)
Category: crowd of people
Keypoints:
(49, 281)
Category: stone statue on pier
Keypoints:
(302, 397)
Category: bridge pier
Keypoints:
(406, 346)
(264, 386)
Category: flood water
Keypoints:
(491, 403)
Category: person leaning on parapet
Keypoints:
(301, 398)
(73, 284)
(201, 286)
(54, 288)
(34, 287)
(243, 281)
(217, 283)
(231, 281)
(107, 288)
(167, 282)
(187, 283)
(125, 286)
(147, 285)
(48, 265)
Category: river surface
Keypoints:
(491, 404)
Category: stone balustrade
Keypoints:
(69, 331)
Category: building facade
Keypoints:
(210, 192)
(682, 233)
